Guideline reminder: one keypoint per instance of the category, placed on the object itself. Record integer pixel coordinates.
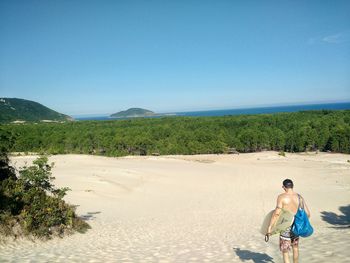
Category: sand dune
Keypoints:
(205, 208)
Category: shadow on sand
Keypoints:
(246, 255)
(338, 221)
(89, 215)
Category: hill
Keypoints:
(133, 112)
(13, 109)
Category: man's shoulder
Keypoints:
(280, 196)
(284, 196)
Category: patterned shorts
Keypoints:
(288, 240)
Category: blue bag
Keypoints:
(301, 226)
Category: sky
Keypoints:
(100, 57)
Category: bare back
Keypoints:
(288, 201)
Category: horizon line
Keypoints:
(256, 106)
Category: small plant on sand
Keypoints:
(282, 153)
(30, 205)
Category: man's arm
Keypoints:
(276, 214)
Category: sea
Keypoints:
(237, 111)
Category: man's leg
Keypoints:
(284, 248)
(295, 253)
(285, 257)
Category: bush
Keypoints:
(31, 204)
(282, 153)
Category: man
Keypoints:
(289, 201)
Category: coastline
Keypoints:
(229, 111)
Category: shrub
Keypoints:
(31, 204)
(282, 153)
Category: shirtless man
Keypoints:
(289, 200)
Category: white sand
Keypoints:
(204, 208)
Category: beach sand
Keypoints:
(201, 208)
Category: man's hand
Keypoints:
(268, 234)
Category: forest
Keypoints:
(323, 130)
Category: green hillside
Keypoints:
(13, 109)
(133, 112)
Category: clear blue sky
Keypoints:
(81, 57)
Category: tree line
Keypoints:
(323, 130)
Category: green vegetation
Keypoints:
(29, 203)
(26, 110)
(282, 153)
(290, 132)
(133, 112)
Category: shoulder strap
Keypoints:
(300, 200)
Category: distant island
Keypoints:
(133, 113)
(20, 110)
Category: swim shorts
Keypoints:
(287, 240)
